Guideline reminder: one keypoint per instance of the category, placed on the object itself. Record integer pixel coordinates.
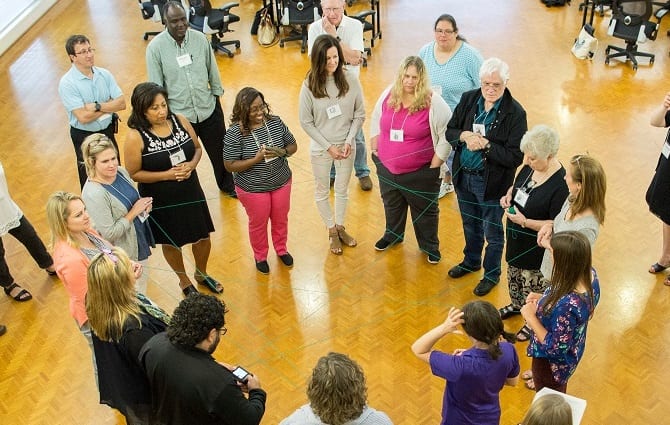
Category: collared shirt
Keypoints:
(475, 160)
(192, 86)
(350, 33)
(76, 90)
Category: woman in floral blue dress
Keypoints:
(559, 317)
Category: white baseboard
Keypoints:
(23, 22)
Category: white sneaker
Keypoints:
(445, 188)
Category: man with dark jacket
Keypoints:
(485, 130)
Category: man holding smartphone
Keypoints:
(187, 384)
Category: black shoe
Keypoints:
(190, 289)
(382, 244)
(287, 259)
(434, 258)
(484, 287)
(461, 270)
(263, 267)
(3, 329)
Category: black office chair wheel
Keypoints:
(237, 45)
(634, 67)
(651, 61)
(302, 49)
(281, 43)
(146, 37)
(607, 51)
(607, 61)
(230, 55)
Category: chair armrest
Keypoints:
(363, 14)
(226, 7)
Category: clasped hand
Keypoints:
(340, 152)
(474, 141)
(182, 171)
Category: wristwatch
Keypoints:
(97, 107)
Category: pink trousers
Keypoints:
(262, 207)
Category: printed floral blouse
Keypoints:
(566, 331)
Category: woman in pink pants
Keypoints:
(256, 149)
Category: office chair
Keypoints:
(152, 10)
(371, 25)
(214, 22)
(630, 22)
(302, 13)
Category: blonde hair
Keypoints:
(588, 171)
(111, 298)
(550, 409)
(58, 212)
(92, 146)
(422, 91)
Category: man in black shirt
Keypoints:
(188, 386)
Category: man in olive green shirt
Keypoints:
(181, 60)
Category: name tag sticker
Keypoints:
(333, 111)
(177, 157)
(397, 135)
(184, 60)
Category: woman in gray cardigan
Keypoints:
(116, 208)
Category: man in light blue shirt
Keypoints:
(90, 96)
(181, 60)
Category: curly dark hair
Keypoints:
(194, 318)
(242, 108)
(482, 322)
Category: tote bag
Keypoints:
(586, 44)
(267, 33)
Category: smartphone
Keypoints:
(241, 374)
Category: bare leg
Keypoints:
(201, 251)
(665, 255)
(175, 259)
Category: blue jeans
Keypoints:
(361, 168)
(481, 219)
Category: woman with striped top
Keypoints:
(256, 149)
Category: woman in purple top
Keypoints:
(559, 317)
(475, 375)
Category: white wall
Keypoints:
(22, 21)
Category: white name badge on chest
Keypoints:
(666, 150)
(333, 111)
(397, 135)
(184, 60)
(479, 129)
(521, 198)
(177, 157)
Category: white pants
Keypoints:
(321, 163)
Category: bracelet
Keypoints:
(524, 223)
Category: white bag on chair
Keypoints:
(586, 44)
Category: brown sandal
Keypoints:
(345, 237)
(335, 244)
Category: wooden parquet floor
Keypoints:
(370, 305)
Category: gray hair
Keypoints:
(540, 141)
(492, 65)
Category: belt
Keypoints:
(473, 171)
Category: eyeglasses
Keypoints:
(85, 52)
(260, 108)
(223, 331)
(495, 86)
(444, 32)
(331, 9)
